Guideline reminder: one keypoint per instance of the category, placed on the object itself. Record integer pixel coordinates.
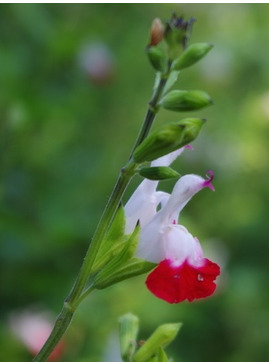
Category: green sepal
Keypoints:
(158, 173)
(157, 58)
(191, 55)
(123, 265)
(117, 228)
(172, 79)
(128, 330)
(161, 337)
(134, 267)
(167, 139)
(113, 241)
(181, 100)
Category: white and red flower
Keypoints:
(182, 272)
(143, 203)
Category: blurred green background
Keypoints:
(64, 134)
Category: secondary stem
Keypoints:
(76, 295)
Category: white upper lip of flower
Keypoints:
(142, 205)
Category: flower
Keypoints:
(182, 272)
(143, 203)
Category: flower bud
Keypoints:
(157, 58)
(176, 35)
(161, 356)
(161, 337)
(128, 330)
(156, 32)
(181, 100)
(167, 139)
(158, 173)
(191, 55)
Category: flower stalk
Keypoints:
(79, 290)
(94, 271)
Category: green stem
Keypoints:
(77, 295)
(121, 184)
(151, 112)
(62, 322)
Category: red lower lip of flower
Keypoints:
(175, 284)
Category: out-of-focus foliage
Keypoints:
(65, 132)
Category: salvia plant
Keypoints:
(144, 236)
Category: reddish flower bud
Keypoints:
(156, 32)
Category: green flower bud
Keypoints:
(157, 58)
(161, 356)
(161, 337)
(176, 35)
(158, 173)
(167, 139)
(191, 55)
(128, 330)
(179, 100)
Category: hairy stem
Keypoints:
(79, 290)
(62, 322)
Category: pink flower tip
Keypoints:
(175, 284)
(188, 146)
(210, 176)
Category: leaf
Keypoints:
(172, 79)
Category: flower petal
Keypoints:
(185, 188)
(142, 205)
(167, 159)
(175, 284)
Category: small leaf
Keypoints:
(172, 79)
